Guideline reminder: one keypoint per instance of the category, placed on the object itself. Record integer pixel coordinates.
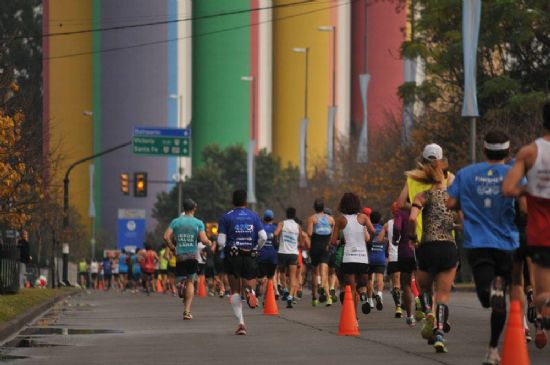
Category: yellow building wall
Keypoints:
(70, 81)
(297, 26)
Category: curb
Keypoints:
(13, 326)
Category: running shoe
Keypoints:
(342, 294)
(251, 299)
(329, 301)
(546, 315)
(528, 336)
(419, 314)
(365, 307)
(378, 300)
(439, 344)
(492, 357)
(299, 294)
(497, 293)
(362, 297)
(289, 302)
(427, 326)
(411, 322)
(241, 330)
(227, 294)
(181, 290)
(333, 295)
(187, 316)
(285, 295)
(314, 302)
(540, 335)
(398, 312)
(277, 296)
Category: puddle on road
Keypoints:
(28, 342)
(37, 331)
(7, 358)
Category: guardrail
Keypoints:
(9, 269)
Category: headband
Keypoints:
(496, 146)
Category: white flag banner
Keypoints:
(409, 75)
(91, 206)
(250, 169)
(362, 148)
(303, 153)
(330, 140)
(471, 13)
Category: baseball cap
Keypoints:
(367, 211)
(268, 214)
(432, 151)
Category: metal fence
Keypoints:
(9, 269)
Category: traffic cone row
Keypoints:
(514, 348)
(159, 285)
(348, 318)
(270, 305)
(201, 292)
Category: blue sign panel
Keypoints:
(162, 132)
(131, 228)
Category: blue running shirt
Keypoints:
(268, 253)
(241, 226)
(377, 250)
(186, 232)
(488, 215)
(322, 227)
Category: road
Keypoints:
(149, 330)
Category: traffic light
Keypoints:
(140, 184)
(125, 183)
(212, 230)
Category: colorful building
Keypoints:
(225, 68)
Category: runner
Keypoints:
(241, 232)
(290, 239)
(123, 270)
(533, 162)
(377, 266)
(267, 257)
(182, 237)
(83, 273)
(171, 256)
(94, 270)
(355, 258)
(490, 235)
(437, 255)
(163, 268)
(319, 229)
(115, 271)
(332, 277)
(147, 259)
(393, 265)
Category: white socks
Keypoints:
(237, 306)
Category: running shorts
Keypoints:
(218, 265)
(436, 257)
(377, 269)
(147, 275)
(500, 261)
(392, 268)
(540, 255)
(186, 268)
(200, 270)
(354, 268)
(209, 271)
(240, 266)
(406, 264)
(266, 270)
(284, 260)
(319, 252)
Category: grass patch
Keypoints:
(12, 305)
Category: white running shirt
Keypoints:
(289, 237)
(355, 249)
(392, 250)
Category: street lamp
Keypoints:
(332, 108)
(251, 174)
(303, 125)
(179, 100)
(91, 209)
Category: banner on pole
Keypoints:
(471, 13)
(91, 206)
(131, 227)
(362, 148)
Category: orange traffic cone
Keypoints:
(514, 348)
(414, 288)
(159, 285)
(270, 306)
(202, 287)
(348, 318)
(100, 285)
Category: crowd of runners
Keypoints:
(501, 208)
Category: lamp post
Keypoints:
(178, 177)
(332, 109)
(91, 209)
(251, 173)
(303, 125)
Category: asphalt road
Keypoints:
(149, 330)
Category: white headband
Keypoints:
(497, 146)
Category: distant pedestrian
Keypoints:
(25, 257)
(148, 260)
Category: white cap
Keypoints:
(432, 152)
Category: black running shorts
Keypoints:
(540, 255)
(406, 264)
(436, 257)
(392, 268)
(266, 270)
(284, 260)
(186, 268)
(244, 267)
(319, 252)
(377, 269)
(354, 268)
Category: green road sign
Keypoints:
(161, 141)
